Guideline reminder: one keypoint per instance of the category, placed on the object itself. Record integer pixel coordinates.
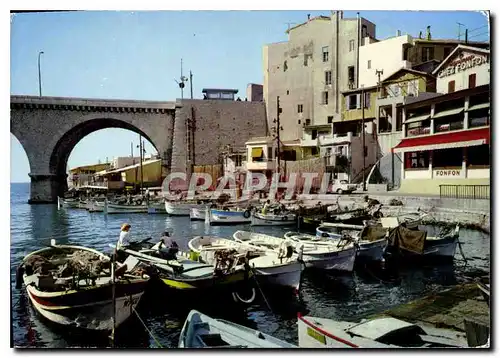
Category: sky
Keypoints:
(136, 55)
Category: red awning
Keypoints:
(467, 138)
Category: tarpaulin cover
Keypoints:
(373, 233)
(406, 239)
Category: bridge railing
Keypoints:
(464, 191)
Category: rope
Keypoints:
(147, 329)
(462, 253)
(261, 292)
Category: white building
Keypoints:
(385, 56)
(466, 67)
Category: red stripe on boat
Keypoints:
(299, 316)
(43, 302)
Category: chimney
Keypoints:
(308, 17)
(399, 33)
(341, 14)
(428, 32)
(420, 35)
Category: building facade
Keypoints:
(310, 70)
(446, 139)
(255, 93)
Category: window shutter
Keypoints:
(367, 100)
(472, 80)
(451, 86)
(358, 101)
(346, 102)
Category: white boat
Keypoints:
(182, 208)
(110, 208)
(229, 216)
(384, 332)
(202, 331)
(259, 219)
(55, 283)
(198, 214)
(94, 206)
(319, 253)
(270, 266)
(68, 203)
(156, 207)
(371, 245)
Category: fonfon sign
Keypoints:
(447, 173)
(463, 64)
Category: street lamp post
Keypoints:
(39, 75)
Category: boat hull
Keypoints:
(156, 208)
(372, 251)
(339, 261)
(197, 214)
(90, 309)
(180, 209)
(287, 276)
(229, 217)
(65, 203)
(443, 250)
(273, 220)
(125, 209)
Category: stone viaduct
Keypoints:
(184, 132)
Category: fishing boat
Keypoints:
(156, 207)
(182, 273)
(281, 219)
(198, 214)
(94, 206)
(371, 243)
(325, 254)
(382, 332)
(182, 208)
(228, 216)
(111, 208)
(202, 331)
(271, 267)
(73, 286)
(68, 203)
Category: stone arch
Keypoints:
(65, 145)
(23, 146)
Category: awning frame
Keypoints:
(448, 112)
(420, 118)
(479, 106)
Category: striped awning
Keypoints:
(459, 139)
(418, 118)
(257, 152)
(448, 112)
(479, 106)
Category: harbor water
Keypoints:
(350, 297)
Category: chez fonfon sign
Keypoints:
(462, 64)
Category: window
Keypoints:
(299, 121)
(328, 152)
(369, 64)
(451, 86)
(367, 100)
(366, 151)
(445, 158)
(479, 118)
(351, 45)
(324, 97)
(300, 108)
(416, 160)
(472, 80)
(285, 66)
(287, 92)
(314, 151)
(269, 153)
(257, 154)
(314, 134)
(306, 59)
(364, 31)
(352, 101)
(328, 77)
(418, 128)
(427, 53)
(330, 119)
(478, 155)
(350, 74)
(325, 54)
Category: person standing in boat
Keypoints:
(124, 239)
(168, 247)
(266, 206)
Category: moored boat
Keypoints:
(68, 202)
(319, 253)
(229, 216)
(202, 331)
(72, 286)
(383, 332)
(282, 219)
(182, 208)
(198, 214)
(271, 267)
(110, 208)
(156, 207)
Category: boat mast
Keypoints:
(141, 154)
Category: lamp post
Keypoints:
(39, 75)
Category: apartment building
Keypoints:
(309, 72)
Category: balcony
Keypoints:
(309, 142)
(261, 165)
(335, 139)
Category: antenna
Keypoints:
(290, 23)
(181, 83)
(459, 32)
